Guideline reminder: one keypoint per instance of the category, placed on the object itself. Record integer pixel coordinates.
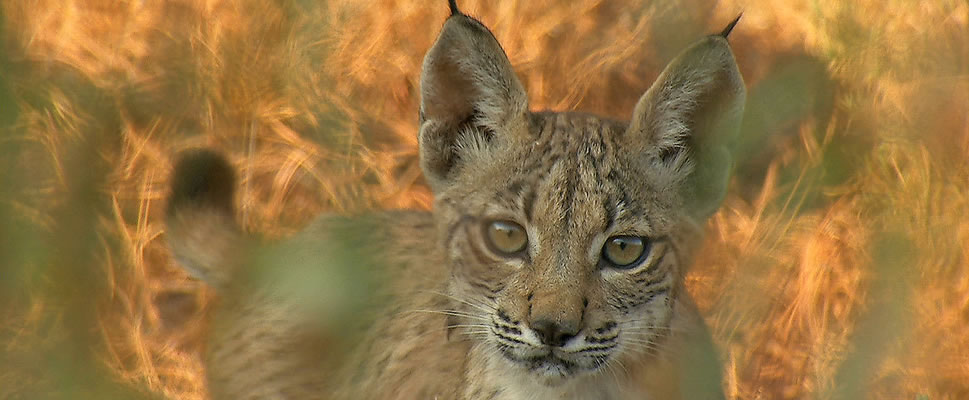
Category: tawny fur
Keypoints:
(445, 317)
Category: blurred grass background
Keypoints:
(837, 268)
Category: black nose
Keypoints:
(554, 334)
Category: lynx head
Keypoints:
(564, 231)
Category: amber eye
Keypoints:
(624, 252)
(507, 237)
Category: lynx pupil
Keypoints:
(507, 237)
(623, 251)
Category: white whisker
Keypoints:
(469, 326)
(481, 307)
(453, 314)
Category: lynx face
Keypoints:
(563, 247)
(563, 230)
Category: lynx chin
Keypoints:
(551, 265)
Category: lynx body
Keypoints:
(551, 266)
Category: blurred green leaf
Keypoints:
(887, 321)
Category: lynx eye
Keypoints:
(624, 252)
(506, 237)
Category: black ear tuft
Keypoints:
(726, 31)
(453, 4)
(202, 178)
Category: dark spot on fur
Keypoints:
(202, 178)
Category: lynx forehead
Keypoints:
(550, 268)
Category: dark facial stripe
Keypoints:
(649, 272)
(475, 247)
(528, 204)
(483, 286)
(610, 211)
(568, 198)
(454, 228)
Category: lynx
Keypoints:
(551, 266)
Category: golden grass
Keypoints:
(838, 267)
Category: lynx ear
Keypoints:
(687, 119)
(469, 95)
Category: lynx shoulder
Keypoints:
(551, 266)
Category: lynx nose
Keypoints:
(555, 334)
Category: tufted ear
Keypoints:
(687, 119)
(469, 95)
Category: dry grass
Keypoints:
(838, 267)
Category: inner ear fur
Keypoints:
(689, 117)
(468, 87)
